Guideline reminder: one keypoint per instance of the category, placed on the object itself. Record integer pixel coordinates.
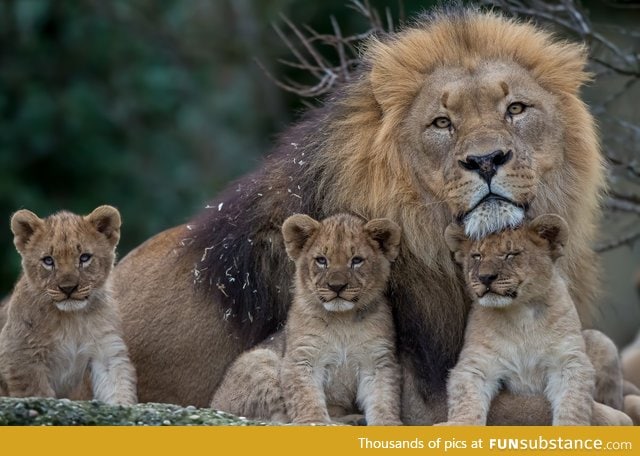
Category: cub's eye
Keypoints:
(356, 261)
(321, 261)
(511, 255)
(48, 261)
(441, 122)
(516, 108)
(85, 257)
(476, 256)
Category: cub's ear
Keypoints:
(454, 237)
(296, 231)
(387, 234)
(553, 229)
(106, 220)
(23, 224)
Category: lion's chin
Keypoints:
(490, 216)
(338, 305)
(494, 300)
(72, 305)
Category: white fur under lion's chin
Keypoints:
(495, 300)
(338, 305)
(490, 217)
(72, 305)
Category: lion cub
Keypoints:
(336, 354)
(523, 331)
(61, 320)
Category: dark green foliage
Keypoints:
(149, 106)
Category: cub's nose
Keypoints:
(487, 280)
(68, 289)
(336, 287)
(486, 165)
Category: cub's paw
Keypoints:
(603, 415)
(455, 423)
(354, 419)
(312, 422)
(632, 407)
(386, 422)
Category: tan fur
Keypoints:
(523, 331)
(62, 324)
(377, 155)
(631, 362)
(336, 354)
(4, 305)
(632, 407)
(631, 370)
(631, 353)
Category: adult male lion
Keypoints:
(463, 116)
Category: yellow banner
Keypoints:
(310, 441)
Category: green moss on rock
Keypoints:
(63, 412)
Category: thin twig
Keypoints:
(305, 45)
(622, 205)
(628, 239)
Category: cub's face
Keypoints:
(67, 256)
(343, 263)
(512, 264)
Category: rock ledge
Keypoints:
(63, 412)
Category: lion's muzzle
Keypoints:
(486, 165)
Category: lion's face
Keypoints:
(512, 264)
(484, 136)
(66, 256)
(342, 262)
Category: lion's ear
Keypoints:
(387, 234)
(454, 237)
(106, 220)
(24, 224)
(553, 229)
(296, 231)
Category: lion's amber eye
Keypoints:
(356, 261)
(321, 261)
(48, 261)
(476, 256)
(441, 122)
(85, 257)
(511, 255)
(516, 108)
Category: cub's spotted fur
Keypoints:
(524, 333)
(62, 326)
(336, 354)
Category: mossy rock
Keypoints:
(63, 412)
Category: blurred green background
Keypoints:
(153, 106)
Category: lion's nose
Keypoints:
(486, 165)
(68, 289)
(487, 280)
(337, 287)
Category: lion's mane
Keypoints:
(346, 156)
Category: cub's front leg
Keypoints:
(303, 391)
(379, 392)
(113, 377)
(604, 357)
(570, 390)
(471, 387)
(28, 380)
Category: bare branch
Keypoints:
(306, 44)
(623, 205)
(629, 239)
(344, 66)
